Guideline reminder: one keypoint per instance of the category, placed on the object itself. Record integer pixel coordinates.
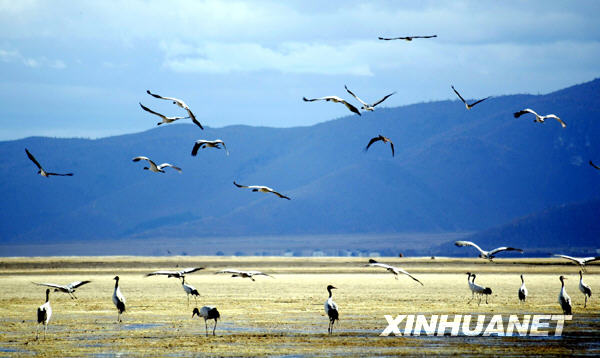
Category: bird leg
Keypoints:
(215, 327)
(206, 327)
(45, 329)
(585, 304)
(37, 331)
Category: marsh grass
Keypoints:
(283, 315)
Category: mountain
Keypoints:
(454, 171)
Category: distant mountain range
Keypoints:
(454, 171)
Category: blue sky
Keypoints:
(79, 68)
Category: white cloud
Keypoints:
(9, 56)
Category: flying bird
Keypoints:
(395, 270)
(486, 254)
(44, 312)
(406, 38)
(156, 168)
(165, 119)
(262, 189)
(181, 104)
(538, 118)
(244, 274)
(469, 106)
(334, 99)
(201, 143)
(331, 309)
(594, 165)
(69, 289)
(41, 170)
(207, 312)
(563, 298)
(176, 274)
(366, 106)
(383, 139)
(581, 261)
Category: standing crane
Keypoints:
(331, 308)
(118, 299)
(522, 291)
(189, 290)
(563, 298)
(584, 288)
(207, 312)
(44, 312)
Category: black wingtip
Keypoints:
(371, 261)
(305, 99)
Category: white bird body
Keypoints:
(334, 99)
(202, 143)
(584, 288)
(44, 312)
(165, 119)
(581, 261)
(262, 189)
(481, 290)
(244, 274)
(70, 288)
(563, 298)
(523, 291)
(156, 168)
(486, 254)
(395, 270)
(471, 287)
(366, 106)
(207, 312)
(176, 274)
(331, 309)
(181, 104)
(539, 118)
(118, 299)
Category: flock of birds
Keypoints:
(331, 308)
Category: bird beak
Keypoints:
(334, 288)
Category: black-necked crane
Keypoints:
(538, 118)
(594, 165)
(165, 119)
(407, 38)
(69, 288)
(181, 104)
(176, 274)
(395, 270)
(522, 291)
(581, 261)
(471, 287)
(468, 105)
(383, 139)
(244, 274)
(366, 106)
(563, 298)
(207, 312)
(41, 170)
(189, 290)
(44, 312)
(155, 168)
(481, 290)
(486, 254)
(262, 189)
(202, 143)
(118, 299)
(334, 99)
(584, 288)
(331, 309)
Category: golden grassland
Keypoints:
(281, 315)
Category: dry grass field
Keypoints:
(282, 316)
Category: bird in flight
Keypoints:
(406, 38)
(594, 165)
(262, 189)
(486, 254)
(469, 106)
(70, 288)
(244, 274)
(395, 270)
(538, 118)
(176, 274)
(181, 104)
(581, 261)
(366, 106)
(383, 139)
(156, 168)
(41, 170)
(334, 99)
(165, 119)
(201, 143)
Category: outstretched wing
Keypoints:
(594, 165)
(32, 158)
(574, 259)
(194, 118)
(524, 111)
(481, 100)
(469, 243)
(351, 107)
(409, 275)
(235, 272)
(563, 124)
(383, 99)
(163, 165)
(392, 145)
(53, 285)
(280, 195)
(151, 111)
(60, 175)
(355, 96)
(373, 140)
(161, 97)
(504, 248)
(458, 94)
(191, 269)
(239, 185)
(76, 284)
(162, 272)
(424, 37)
(591, 259)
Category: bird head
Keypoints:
(116, 278)
(561, 278)
(330, 287)
(195, 312)
(47, 291)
